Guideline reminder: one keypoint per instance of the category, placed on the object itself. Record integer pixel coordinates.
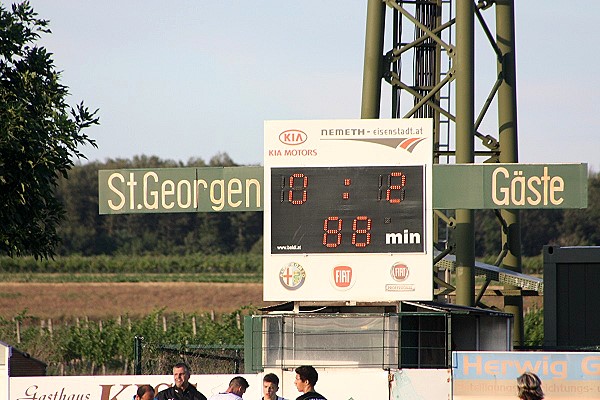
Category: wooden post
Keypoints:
(18, 328)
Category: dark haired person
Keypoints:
(306, 379)
(144, 392)
(270, 387)
(529, 387)
(235, 391)
(182, 390)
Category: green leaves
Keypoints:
(39, 136)
(111, 342)
(534, 327)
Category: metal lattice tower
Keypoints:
(431, 69)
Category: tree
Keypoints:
(580, 227)
(39, 136)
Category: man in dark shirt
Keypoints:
(182, 390)
(306, 379)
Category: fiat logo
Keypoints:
(399, 272)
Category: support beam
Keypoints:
(465, 117)
(507, 123)
(373, 63)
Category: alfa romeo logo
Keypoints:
(292, 276)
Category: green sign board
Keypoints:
(512, 186)
(163, 190)
(216, 189)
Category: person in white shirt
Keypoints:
(270, 387)
(235, 391)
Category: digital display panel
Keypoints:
(358, 209)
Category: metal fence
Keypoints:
(157, 358)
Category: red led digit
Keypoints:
(335, 234)
(297, 194)
(346, 195)
(361, 226)
(395, 187)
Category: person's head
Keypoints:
(181, 375)
(144, 392)
(238, 385)
(270, 386)
(306, 378)
(529, 387)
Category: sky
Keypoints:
(194, 78)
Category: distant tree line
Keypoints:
(85, 232)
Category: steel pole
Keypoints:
(373, 63)
(507, 125)
(137, 354)
(465, 117)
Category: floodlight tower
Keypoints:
(441, 85)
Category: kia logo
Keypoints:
(292, 137)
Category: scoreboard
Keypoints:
(348, 210)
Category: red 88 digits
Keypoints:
(361, 231)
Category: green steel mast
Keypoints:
(441, 67)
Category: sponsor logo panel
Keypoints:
(342, 277)
(292, 276)
(400, 288)
(399, 272)
(293, 137)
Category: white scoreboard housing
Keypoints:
(348, 210)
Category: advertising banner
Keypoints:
(493, 375)
(4, 360)
(420, 384)
(333, 383)
(117, 387)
